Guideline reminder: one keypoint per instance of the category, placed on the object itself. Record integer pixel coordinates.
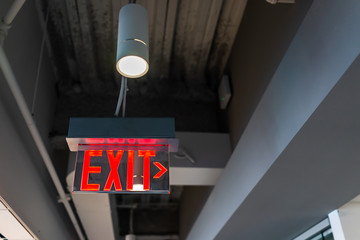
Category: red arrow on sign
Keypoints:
(162, 169)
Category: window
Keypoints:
(323, 235)
(321, 231)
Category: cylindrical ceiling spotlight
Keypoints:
(132, 58)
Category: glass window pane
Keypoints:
(317, 237)
(328, 235)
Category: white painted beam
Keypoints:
(336, 227)
(346, 219)
(186, 176)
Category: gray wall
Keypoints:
(25, 190)
(192, 200)
(23, 46)
(24, 181)
(264, 35)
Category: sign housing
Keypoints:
(121, 162)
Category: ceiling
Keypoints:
(152, 214)
(190, 46)
(190, 43)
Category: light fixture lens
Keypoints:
(132, 66)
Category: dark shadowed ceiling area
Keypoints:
(190, 43)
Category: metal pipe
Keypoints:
(14, 9)
(124, 100)
(5, 23)
(20, 100)
(121, 96)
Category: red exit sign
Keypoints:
(122, 168)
